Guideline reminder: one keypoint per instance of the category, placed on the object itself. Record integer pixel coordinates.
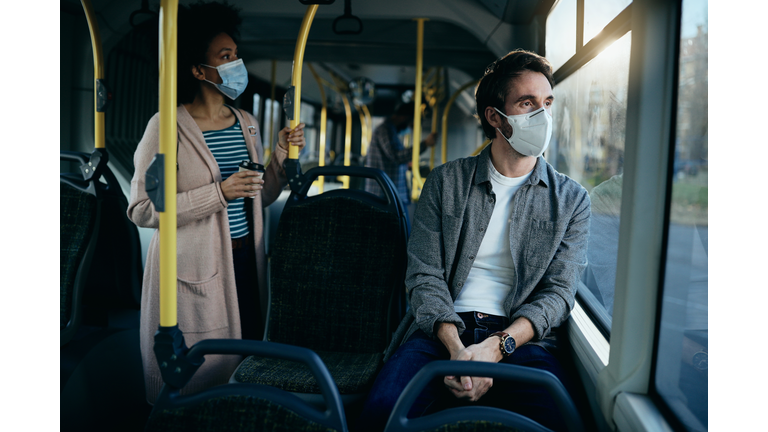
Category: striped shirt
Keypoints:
(228, 148)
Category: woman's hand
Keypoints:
(245, 184)
(295, 137)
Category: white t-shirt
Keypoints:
(493, 273)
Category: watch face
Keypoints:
(509, 345)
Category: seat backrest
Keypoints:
(110, 278)
(249, 407)
(480, 418)
(338, 264)
(77, 242)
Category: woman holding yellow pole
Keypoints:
(221, 263)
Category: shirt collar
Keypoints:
(483, 174)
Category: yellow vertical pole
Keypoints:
(417, 182)
(363, 130)
(98, 70)
(298, 64)
(446, 110)
(168, 15)
(347, 138)
(273, 113)
(320, 182)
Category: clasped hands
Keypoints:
(473, 388)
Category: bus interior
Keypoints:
(630, 124)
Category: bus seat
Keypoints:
(111, 284)
(480, 418)
(337, 285)
(78, 222)
(251, 407)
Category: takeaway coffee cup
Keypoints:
(251, 166)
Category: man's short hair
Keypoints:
(499, 75)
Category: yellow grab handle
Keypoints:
(482, 146)
(417, 182)
(298, 64)
(168, 14)
(98, 70)
(444, 134)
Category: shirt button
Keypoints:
(471, 257)
(482, 229)
(460, 284)
(490, 200)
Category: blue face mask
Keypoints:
(234, 78)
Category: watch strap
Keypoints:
(503, 336)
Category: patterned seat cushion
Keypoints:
(231, 413)
(353, 373)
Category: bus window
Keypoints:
(561, 32)
(598, 13)
(588, 146)
(681, 377)
(310, 152)
(256, 106)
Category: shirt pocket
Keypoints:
(543, 239)
(201, 305)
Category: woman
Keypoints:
(221, 263)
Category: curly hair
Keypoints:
(493, 87)
(199, 24)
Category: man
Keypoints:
(388, 154)
(495, 255)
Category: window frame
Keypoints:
(615, 30)
(623, 389)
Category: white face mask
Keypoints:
(234, 78)
(530, 132)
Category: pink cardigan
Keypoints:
(207, 296)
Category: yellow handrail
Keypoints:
(98, 70)
(481, 148)
(338, 88)
(320, 182)
(298, 64)
(168, 37)
(363, 130)
(447, 109)
(417, 183)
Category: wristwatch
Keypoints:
(507, 344)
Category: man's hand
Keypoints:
(473, 388)
(243, 184)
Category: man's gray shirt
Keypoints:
(548, 240)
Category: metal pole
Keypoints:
(168, 37)
(298, 63)
(444, 133)
(98, 70)
(417, 182)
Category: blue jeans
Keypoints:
(530, 401)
